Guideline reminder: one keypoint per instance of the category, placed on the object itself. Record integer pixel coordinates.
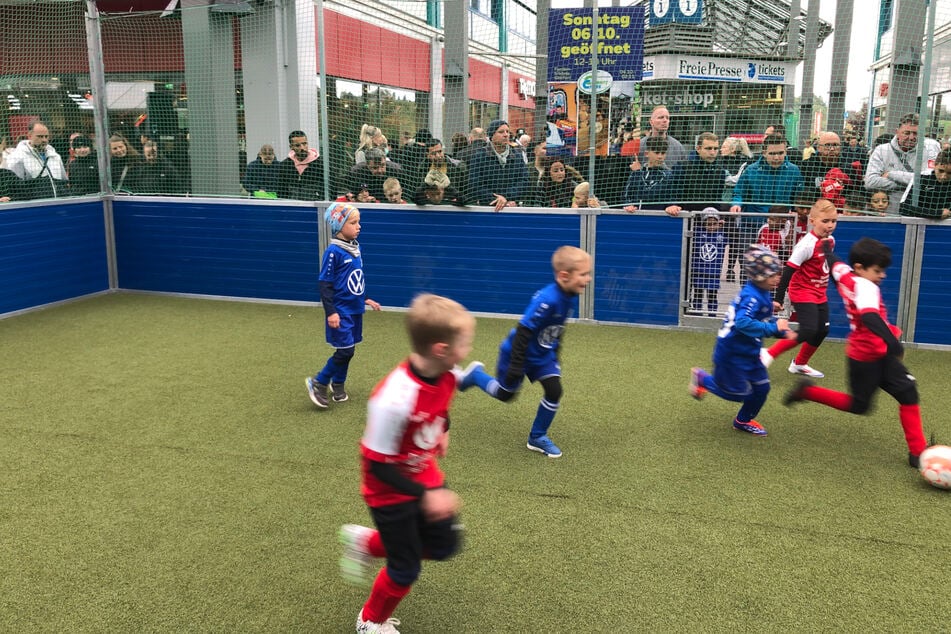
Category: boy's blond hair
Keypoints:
(390, 184)
(581, 192)
(435, 319)
(820, 206)
(568, 259)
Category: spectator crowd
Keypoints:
(499, 167)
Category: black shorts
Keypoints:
(409, 538)
(887, 373)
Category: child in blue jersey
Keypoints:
(343, 294)
(706, 261)
(738, 373)
(531, 348)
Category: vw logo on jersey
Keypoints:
(548, 337)
(355, 283)
(709, 252)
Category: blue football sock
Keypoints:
(543, 418)
(753, 403)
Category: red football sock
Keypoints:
(782, 346)
(805, 353)
(384, 597)
(838, 400)
(910, 416)
(375, 545)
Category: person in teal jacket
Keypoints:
(772, 180)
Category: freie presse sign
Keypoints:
(703, 68)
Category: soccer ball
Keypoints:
(935, 466)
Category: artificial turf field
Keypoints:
(164, 471)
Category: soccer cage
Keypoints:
(260, 105)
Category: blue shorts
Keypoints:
(349, 334)
(533, 371)
(738, 376)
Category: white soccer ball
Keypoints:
(935, 466)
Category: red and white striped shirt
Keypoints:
(406, 417)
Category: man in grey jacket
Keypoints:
(892, 165)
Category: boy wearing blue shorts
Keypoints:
(343, 294)
(738, 373)
(531, 348)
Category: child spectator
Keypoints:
(363, 195)
(653, 183)
(393, 191)
(807, 278)
(531, 348)
(706, 260)
(873, 349)
(774, 234)
(802, 205)
(343, 294)
(935, 197)
(834, 186)
(856, 203)
(738, 374)
(878, 202)
(581, 197)
(407, 430)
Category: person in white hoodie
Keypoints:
(38, 165)
(892, 165)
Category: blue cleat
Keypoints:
(466, 378)
(543, 444)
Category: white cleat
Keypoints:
(804, 370)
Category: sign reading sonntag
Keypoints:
(620, 43)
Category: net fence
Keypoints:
(621, 107)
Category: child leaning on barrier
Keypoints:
(706, 260)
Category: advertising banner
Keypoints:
(619, 46)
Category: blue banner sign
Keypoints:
(620, 43)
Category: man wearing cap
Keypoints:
(498, 175)
(371, 174)
(301, 175)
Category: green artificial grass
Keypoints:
(164, 470)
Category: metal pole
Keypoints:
(97, 80)
(808, 74)
(456, 67)
(791, 52)
(593, 114)
(541, 71)
(840, 64)
(923, 117)
(322, 76)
